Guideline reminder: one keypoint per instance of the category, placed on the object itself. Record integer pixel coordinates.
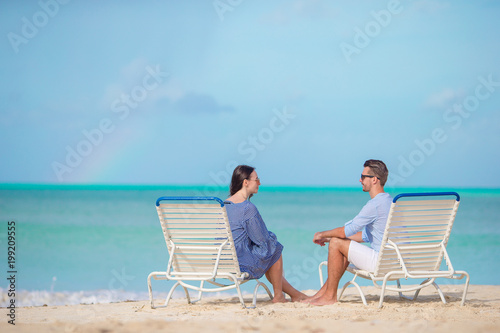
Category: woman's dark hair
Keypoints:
(240, 173)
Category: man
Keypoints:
(368, 226)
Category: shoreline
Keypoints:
(225, 314)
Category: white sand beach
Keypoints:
(481, 313)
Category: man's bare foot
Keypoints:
(323, 301)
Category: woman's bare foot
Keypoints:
(309, 299)
(299, 297)
(279, 298)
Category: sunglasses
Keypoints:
(367, 176)
(256, 179)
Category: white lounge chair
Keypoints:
(414, 244)
(201, 248)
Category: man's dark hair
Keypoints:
(379, 170)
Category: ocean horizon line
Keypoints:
(265, 188)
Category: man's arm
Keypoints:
(323, 237)
(358, 237)
(366, 216)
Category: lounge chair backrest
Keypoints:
(420, 229)
(194, 233)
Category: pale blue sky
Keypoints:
(179, 92)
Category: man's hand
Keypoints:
(319, 239)
(325, 236)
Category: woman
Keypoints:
(258, 250)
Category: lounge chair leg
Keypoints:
(240, 295)
(418, 290)
(200, 293)
(382, 292)
(321, 281)
(254, 302)
(439, 292)
(267, 290)
(466, 287)
(343, 289)
(401, 296)
(360, 292)
(150, 290)
(186, 291)
(357, 287)
(171, 292)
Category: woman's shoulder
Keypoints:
(246, 203)
(247, 208)
(251, 210)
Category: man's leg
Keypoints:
(338, 251)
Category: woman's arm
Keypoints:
(256, 228)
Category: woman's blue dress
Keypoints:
(257, 248)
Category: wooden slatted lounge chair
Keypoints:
(201, 248)
(414, 245)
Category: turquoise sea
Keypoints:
(85, 244)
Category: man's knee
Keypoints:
(339, 244)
